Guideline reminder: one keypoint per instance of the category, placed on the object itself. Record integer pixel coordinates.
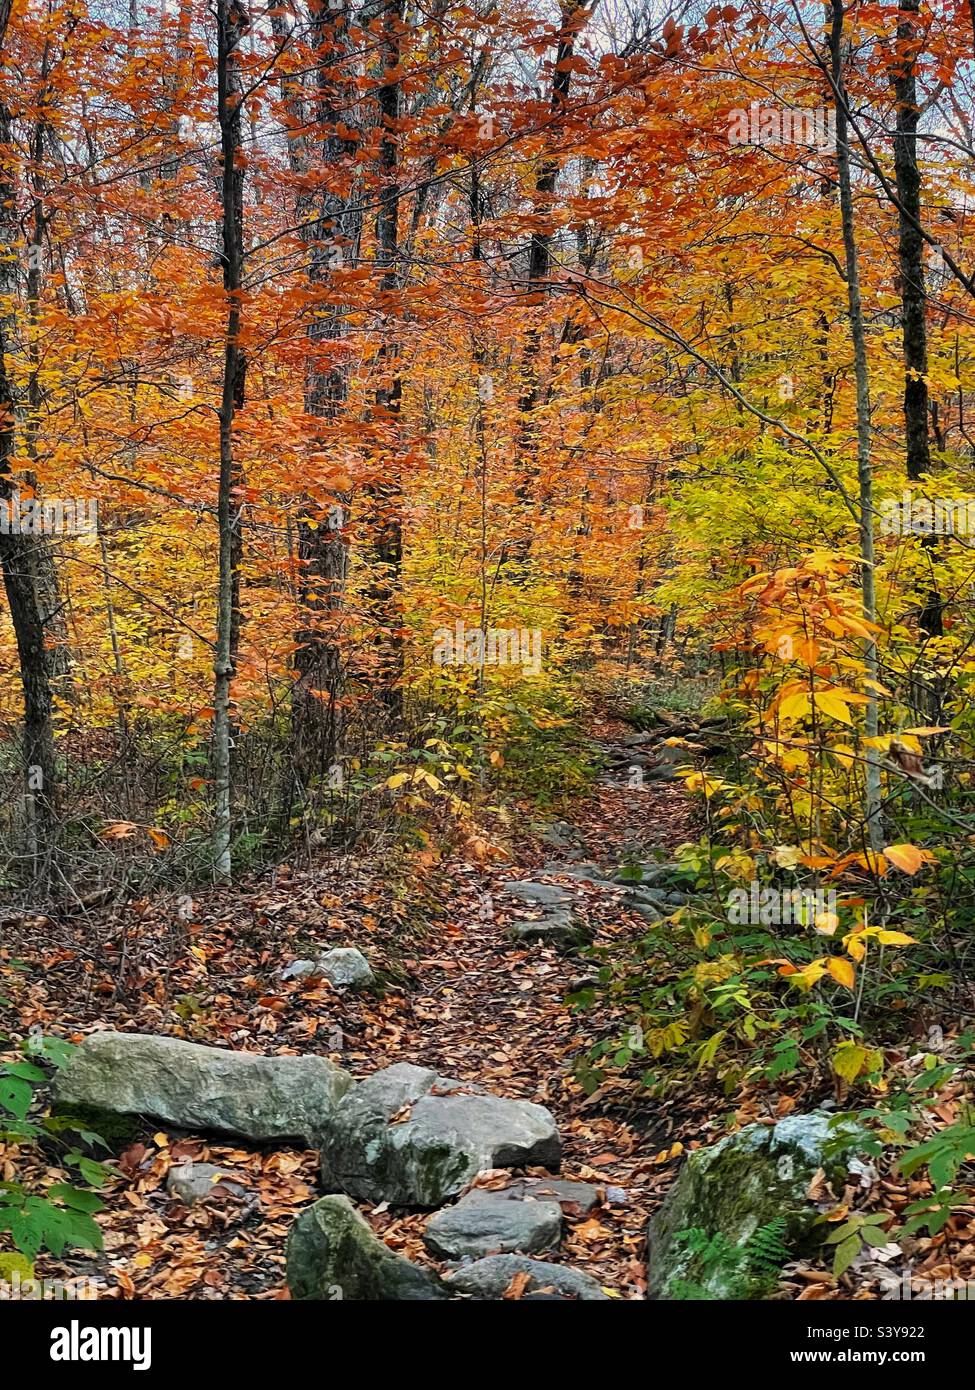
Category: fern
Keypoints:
(765, 1250)
(749, 1270)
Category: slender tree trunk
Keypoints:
(911, 265)
(872, 796)
(229, 30)
(539, 269)
(20, 558)
(387, 495)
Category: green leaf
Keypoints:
(26, 1070)
(15, 1096)
(874, 1237)
(75, 1197)
(848, 1228)
(845, 1255)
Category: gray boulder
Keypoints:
(344, 967)
(487, 1223)
(412, 1138)
(204, 1088)
(333, 1254)
(489, 1278)
(731, 1189)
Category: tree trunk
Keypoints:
(872, 787)
(20, 558)
(385, 599)
(539, 269)
(334, 222)
(229, 30)
(911, 265)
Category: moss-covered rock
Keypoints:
(203, 1088)
(737, 1187)
(412, 1138)
(116, 1131)
(333, 1255)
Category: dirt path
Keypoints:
(476, 1005)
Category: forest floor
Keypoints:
(465, 999)
(458, 995)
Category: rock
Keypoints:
(191, 1182)
(343, 966)
(538, 894)
(584, 872)
(648, 911)
(489, 1278)
(412, 1138)
(300, 970)
(561, 927)
(333, 1254)
(346, 966)
(565, 1191)
(204, 1088)
(738, 1185)
(486, 1223)
(638, 740)
(661, 877)
(561, 834)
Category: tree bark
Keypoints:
(231, 23)
(20, 554)
(334, 229)
(910, 250)
(872, 783)
(385, 598)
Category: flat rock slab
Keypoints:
(585, 873)
(333, 1255)
(412, 1138)
(489, 1278)
(538, 894)
(204, 1088)
(488, 1223)
(560, 927)
(568, 1193)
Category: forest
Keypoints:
(487, 757)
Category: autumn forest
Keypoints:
(487, 498)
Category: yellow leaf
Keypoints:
(397, 780)
(794, 706)
(841, 970)
(832, 706)
(826, 923)
(806, 977)
(848, 1060)
(895, 938)
(854, 945)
